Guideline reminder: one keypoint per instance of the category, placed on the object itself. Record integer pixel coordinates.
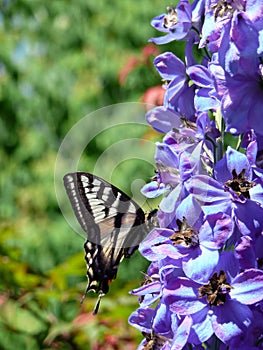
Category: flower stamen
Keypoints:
(171, 19)
(239, 184)
(186, 234)
(223, 8)
(217, 290)
(154, 341)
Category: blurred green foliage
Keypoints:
(60, 60)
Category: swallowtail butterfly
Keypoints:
(113, 222)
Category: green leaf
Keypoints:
(20, 319)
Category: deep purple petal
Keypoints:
(230, 321)
(233, 160)
(245, 253)
(200, 75)
(244, 35)
(228, 263)
(175, 89)
(169, 66)
(142, 319)
(162, 320)
(185, 102)
(249, 224)
(242, 102)
(202, 327)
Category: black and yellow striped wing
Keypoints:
(113, 222)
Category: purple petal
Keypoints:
(142, 319)
(207, 190)
(200, 75)
(190, 209)
(230, 322)
(182, 296)
(184, 102)
(175, 89)
(166, 154)
(204, 101)
(245, 253)
(249, 224)
(182, 332)
(244, 35)
(153, 287)
(248, 287)
(169, 203)
(200, 268)
(162, 319)
(228, 263)
(153, 189)
(169, 66)
(254, 9)
(157, 23)
(162, 39)
(157, 245)
(163, 120)
(256, 193)
(202, 327)
(216, 230)
(233, 160)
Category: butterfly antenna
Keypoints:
(96, 308)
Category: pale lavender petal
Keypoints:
(248, 287)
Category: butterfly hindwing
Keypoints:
(114, 224)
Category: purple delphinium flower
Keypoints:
(177, 23)
(204, 286)
(223, 300)
(233, 29)
(251, 142)
(241, 96)
(232, 192)
(185, 151)
(195, 248)
(159, 326)
(190, 90)
(151, 288)
(220, 305)
(179, 95)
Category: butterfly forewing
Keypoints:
(114, 224)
